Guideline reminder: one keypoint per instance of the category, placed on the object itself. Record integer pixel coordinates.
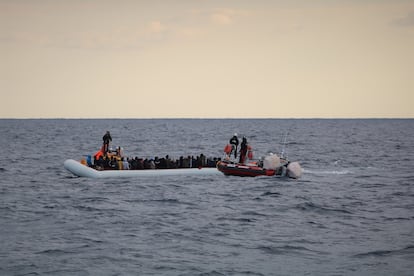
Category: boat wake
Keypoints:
(327, 172)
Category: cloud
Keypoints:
(222, 18)
(189, 32)
(226, 16)
(114, 38)
(80, 32)
(405, 21)
(156, 27)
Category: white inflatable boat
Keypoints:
(81, 170)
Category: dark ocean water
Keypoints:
(352, 213)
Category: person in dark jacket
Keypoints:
(234, 141)
(106, 139)
(243, 150)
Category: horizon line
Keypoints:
(207, 118)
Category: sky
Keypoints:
(207, 59)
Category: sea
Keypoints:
(351, 213)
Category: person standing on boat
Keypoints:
(234, 141)
(106, 139)
(243, 150)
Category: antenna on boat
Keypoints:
(282, 152)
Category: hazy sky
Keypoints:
(206, 58)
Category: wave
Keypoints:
(232, 272)
(310, 206)
(253, 213)
(285, 249)
(91, 209)
(172, 201)
(272, 194)
(244, 220)
(54, 252)
(383, 253)
(92, 199)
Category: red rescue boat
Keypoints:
(270, 165)
(250, 169)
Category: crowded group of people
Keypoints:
(115, 162)
(107, 159)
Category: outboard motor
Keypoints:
(271, 162)
(294, 170)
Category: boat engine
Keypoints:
(271, 162)
(294, 170)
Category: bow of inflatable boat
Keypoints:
(79, 169)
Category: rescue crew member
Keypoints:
(243, 150)
(234, 141)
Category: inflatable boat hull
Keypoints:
(235, 169)
(292, 170)
(81, 170)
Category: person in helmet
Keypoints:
(234, 141)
